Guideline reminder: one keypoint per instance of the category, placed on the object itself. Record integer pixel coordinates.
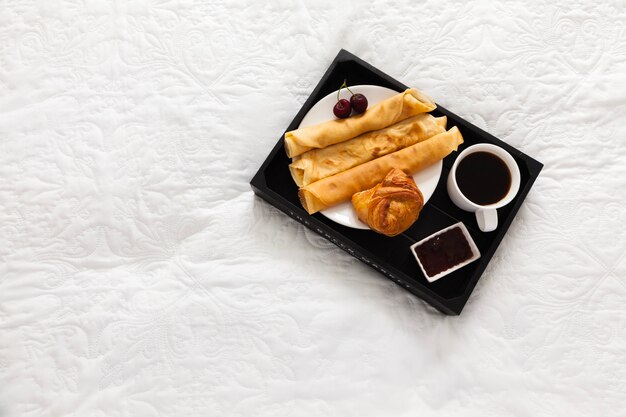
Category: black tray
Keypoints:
(391, 256)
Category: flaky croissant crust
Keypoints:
(392, 206)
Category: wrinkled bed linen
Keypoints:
(140, 276)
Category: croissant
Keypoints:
(391, 206)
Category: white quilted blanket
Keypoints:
(140, 276)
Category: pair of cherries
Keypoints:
(343, 107)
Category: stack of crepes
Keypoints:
(336, 159)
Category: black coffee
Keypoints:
(483, 178)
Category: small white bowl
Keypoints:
(473, 247)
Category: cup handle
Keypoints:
(487, 219)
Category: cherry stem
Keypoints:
(344, 83)
(342, 86)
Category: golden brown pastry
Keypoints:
(341, 187)
(321, 163)
(385, 113)
(392, 206)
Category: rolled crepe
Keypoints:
(340, 187)
(387, 112)
(321, 163)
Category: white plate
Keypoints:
(322, 111)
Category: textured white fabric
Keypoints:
(139, 275)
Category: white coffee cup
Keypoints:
(486, 215)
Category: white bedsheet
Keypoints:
(140, 276)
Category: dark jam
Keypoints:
(444, 251)
(483, 178)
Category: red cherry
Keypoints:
(342, 109)
(359, 102)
